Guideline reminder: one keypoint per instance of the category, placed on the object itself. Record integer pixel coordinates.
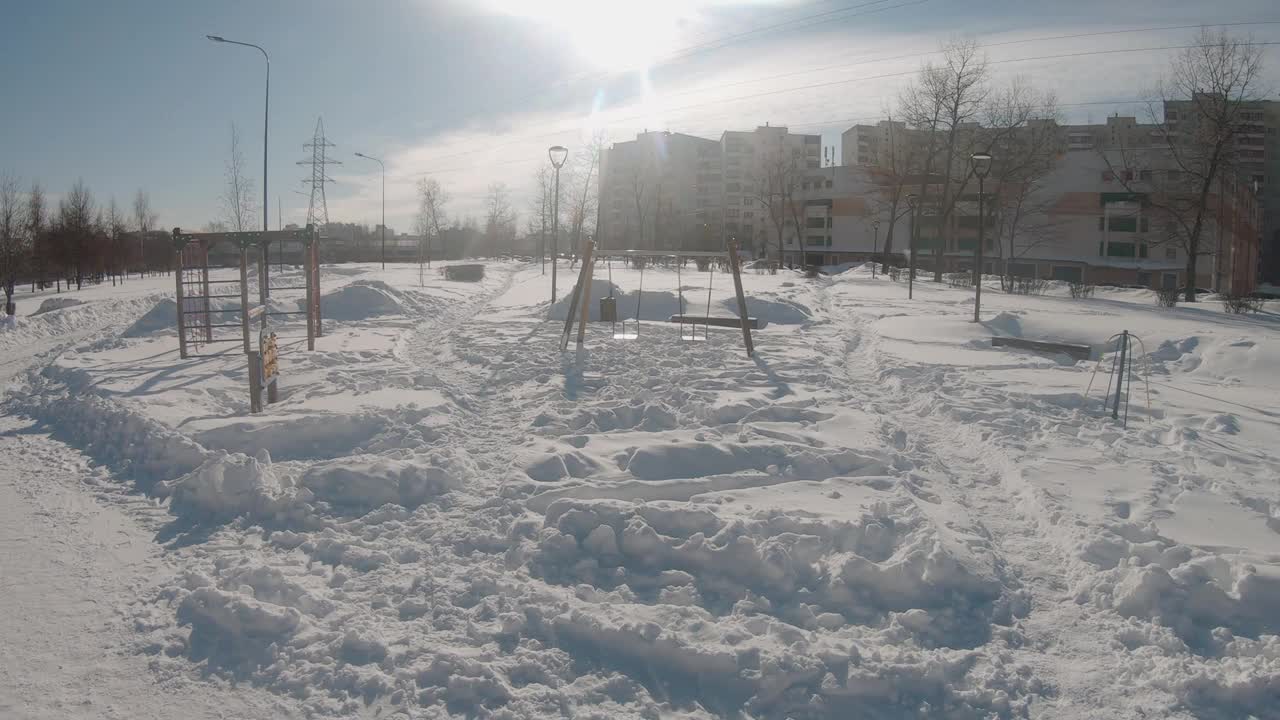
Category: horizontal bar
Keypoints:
(290, 287)
(206, 342)
(222, 325)
(223, 282)
(662, 253)
(210, 312)
(295, 312)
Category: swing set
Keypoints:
(622, 329)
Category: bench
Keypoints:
(729, 322)
(1077, 352)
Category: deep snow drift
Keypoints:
(879, 515)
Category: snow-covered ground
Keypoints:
(879, 515)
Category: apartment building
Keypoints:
(660, 191)
(1091, 219)
(1257, 154)
(665, 191)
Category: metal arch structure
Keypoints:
(580, 303)
(194, 288)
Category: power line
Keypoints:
(826, 84)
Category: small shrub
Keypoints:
(1241, 304)
(960, 280)
(1028, 286)
(703, 263)
(1080, 290)
(638, 262)
(1167, 297)
(811, 272)
(895, 274)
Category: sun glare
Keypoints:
(613, 35)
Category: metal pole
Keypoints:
(244, 294)
(1124, 347)
(977, 265)
(182, 325)
(911, 262)
(384, 215)
(875, 248)
(555, 235)
(736, 265)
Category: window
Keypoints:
(820, 240)
(817, 222)
(1144, 278)
(748, 214)
(731, 213)
(1102, 223)
(1169, 281)
(1142, 250)
(1124, 224)
(1121, 249)
(1068, 274)
(828, 184)
(749, 202)
(1144, 175)
(1171, 253)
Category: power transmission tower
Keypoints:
(318, 212)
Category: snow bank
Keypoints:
(361, 300)
(366, 482)
(163, 316)
(655, 305)
(57, 303)
(772, 311)
(230, 485)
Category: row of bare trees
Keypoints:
(954, 108)
(77, 241)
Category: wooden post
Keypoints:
(182, 324)
(742, 301)
(1124, 347)
(588, 262)
(255, 382)
(573, 306)
(244, 296)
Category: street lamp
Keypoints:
(384, 205)
(912, 202)
(557, 154)
(981, 168)
(266, 107)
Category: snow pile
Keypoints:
(57, 303)
(655, 305)
(366, 482)
(230, 485)
(134, 445)
(362, 300)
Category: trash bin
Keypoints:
(608, 309)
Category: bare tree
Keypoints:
(499, 217)
(642, 198)
(582, 199)
(37, 220)
(1020, 131)
(145, 220)
(237, 194)
(1212, 83)
(943, 103)
(114, 227)
(75, 232)
(779, 176)
(540, 207)
(430, 218)
(13, 239)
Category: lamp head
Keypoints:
(981, 164)
(558, 154)
(216, 38)
(361, 155)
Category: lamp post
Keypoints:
(981, 168)
(912, 202)
(266, 107)
(384, 205)
(875, 245)
(557, 154)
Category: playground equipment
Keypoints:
(195, 319)
(608, 305)
(1122, 364)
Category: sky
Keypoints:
(130, 94)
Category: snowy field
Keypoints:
(879, 516)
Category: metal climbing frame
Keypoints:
(196, 313)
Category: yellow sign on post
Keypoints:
(270, 365)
